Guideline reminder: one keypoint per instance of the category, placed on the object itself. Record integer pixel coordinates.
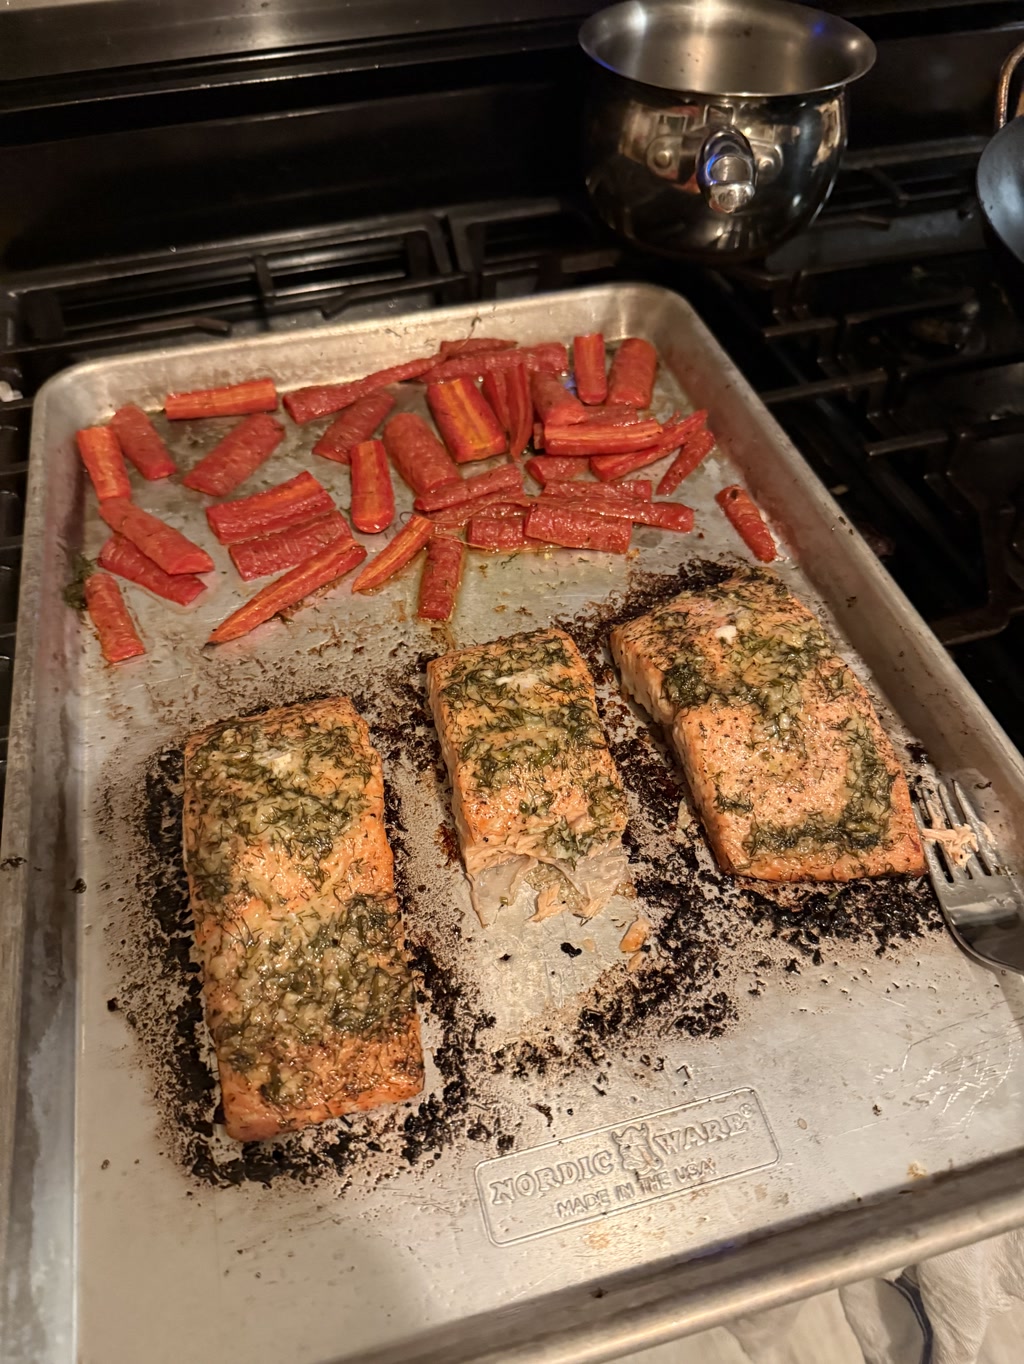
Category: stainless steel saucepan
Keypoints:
(715, 127)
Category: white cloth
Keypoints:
(940, 1316)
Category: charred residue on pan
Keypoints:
(440, 1117)
(161, 960)
(700, 969)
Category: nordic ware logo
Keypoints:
(614, 1168)
(635, 1150)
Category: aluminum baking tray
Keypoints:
(802, 1086)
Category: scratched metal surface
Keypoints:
(854, 1083)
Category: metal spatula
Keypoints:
(982, 903)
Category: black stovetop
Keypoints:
(881, 340)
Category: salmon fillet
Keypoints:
(307, 987)
(535, 792)
(790, 769)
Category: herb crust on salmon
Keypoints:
(309, 998)
(790, 768)
(535, 793)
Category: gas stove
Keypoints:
(880, 338)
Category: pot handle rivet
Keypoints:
(727, 170)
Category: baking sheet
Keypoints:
(786, 1055)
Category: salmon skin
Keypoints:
(535, 793)
(307, 987)
(790, 769)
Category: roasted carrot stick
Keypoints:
(418, 455)
(508, 392)
(550, 356)
(449, 350)
(747, 522)
(496, 532)
(601, 440)
(520, 410)
(320, 400)
(101, 455)
(631, 378)
(120, 556)
(239, 454)
(556, 468)
(495, 387)
(297, 499)
(236, 400)
(286, 548)
(119, 639)
(621, 414)
(373, 497)
(556, 524)
(506, 479)
(174, 552)
(598, 498)
(442, 572)
(662, 515)
(466, 420)
(141, 442)
(321, 569)
(553, 403)
(401, 551)
(608, 467)
(588, 367)
(356, 423)
(497, 504)
(691, 453)
(666, 516)
(627, 492)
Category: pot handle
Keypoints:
(727, 170)
(1006, 71)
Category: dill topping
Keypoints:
(525, 718)
(863, 821)
(755, 653)
(530, 710)
(309, 981)
(295, 789)
(764, 661)
(298, 968)
(605, 812)
(732, 805)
